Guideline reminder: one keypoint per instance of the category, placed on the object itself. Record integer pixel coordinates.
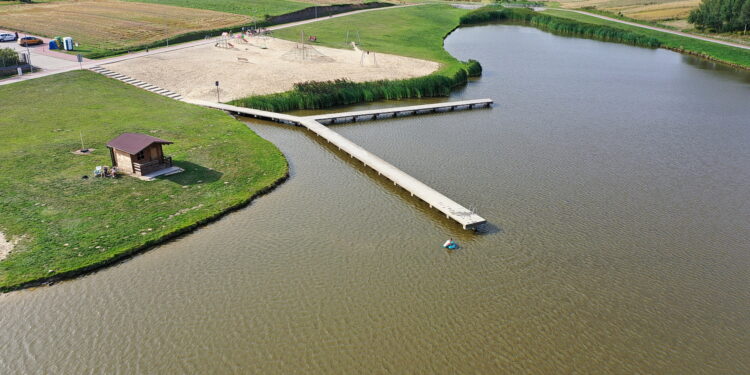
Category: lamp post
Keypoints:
(28, 56)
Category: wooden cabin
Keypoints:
(138, 154)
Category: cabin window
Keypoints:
(139, 155)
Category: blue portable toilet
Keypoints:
(68, 43)
(53, 44)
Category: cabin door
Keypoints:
(155, 153)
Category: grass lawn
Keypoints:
(105, 28)
(412, 31)
(66, 223)
(732, 55)
(254, 8)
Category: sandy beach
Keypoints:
(263, 66)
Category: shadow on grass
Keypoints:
(194, 174)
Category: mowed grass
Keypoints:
(107, 27)
(254, 8)
(732, 55)
(416, 31)
(66, 223)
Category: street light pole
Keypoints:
(28, 56)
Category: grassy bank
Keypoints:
(558, 25)
(412, 31)
(581, 25)
(677, 25)
(66, 224)
(730, 55)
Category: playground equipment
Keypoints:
(364, 59)
(257, 38)
(224, 41)
(352, 38)
(304, 52)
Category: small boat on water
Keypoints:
(450, 244)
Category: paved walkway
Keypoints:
(680, 33)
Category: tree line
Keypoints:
(722, 15)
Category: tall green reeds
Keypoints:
(558, 25)
(316, 95)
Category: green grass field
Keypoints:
(253, 8)
(412, 31)
(732, 55)
(66, 223)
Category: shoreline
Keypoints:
(125, 255)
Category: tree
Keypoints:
(721, 15)
(745, 15)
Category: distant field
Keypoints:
(664, 11)
(647, 10)
(100, 26)
(253, 8)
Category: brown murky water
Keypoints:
(616, 179)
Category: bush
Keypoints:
(8, 57)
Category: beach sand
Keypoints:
(247, 69)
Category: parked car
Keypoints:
(7, 37)
(30, 41)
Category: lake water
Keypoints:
(616, 180)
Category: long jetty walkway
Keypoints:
(375, 114)
(451, 209)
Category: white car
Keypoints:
(7, 37)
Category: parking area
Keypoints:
(41, 56)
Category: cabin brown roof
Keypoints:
(133, 143)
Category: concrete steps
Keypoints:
(137, 83)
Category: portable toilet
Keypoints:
(68, 43)
(59, 41)
(52, 44)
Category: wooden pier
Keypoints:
(375, 114)
(451, 209)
